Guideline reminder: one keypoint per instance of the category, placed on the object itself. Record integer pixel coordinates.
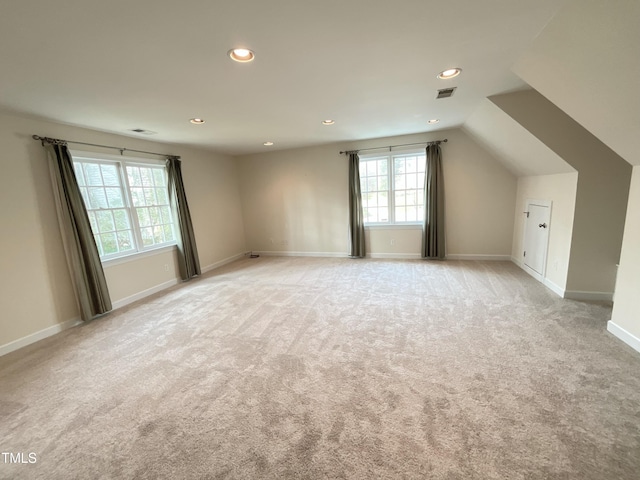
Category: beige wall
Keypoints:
(603, 186)
(296, 200)
(560, 189)
(586, 62)
(35, 288)
(626, 308)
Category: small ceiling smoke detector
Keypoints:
(449, 73)
(142, 131)
(197, 121)
(446, 92)
(433, 121)
(267, 144)
(328, 122)
(242, 55)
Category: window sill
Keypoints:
(395, 226)
(138, 255)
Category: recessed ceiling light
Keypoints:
(197, 121)
(435, 120)
(242, 55)
(267, 144)
(328, 122)
(449, 73)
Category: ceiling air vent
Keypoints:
(142, 131)
(446, 92)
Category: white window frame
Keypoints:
(121, 163)
(389, 156)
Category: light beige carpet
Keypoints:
(331, 368)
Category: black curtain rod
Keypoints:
(435, 142)
(122, 149)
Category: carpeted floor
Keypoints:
(331, 368)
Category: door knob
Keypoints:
(542, 225)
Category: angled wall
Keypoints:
(601, 196)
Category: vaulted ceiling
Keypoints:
(154, 64)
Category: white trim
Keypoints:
(37, 336)
(554, 288)
(468, 256)
(622, 334)
(595, 296)
(393, 226)
(219, 264)
(399, 256)
(144, 293)
(275, 253)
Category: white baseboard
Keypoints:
(622, 334)
(595, 296)
(465, 256)
(37, 336)
(276, 253)
(219, 264)
(554, 288)
(398, 256)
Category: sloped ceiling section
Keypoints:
(513, 145)
(586, 61)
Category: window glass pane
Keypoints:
(97, 198)
(422, 163)
(398, 166)
(92, 171)
(143, 217)
(109, 243)
(161, 196)
(147, 236)
(400, 214)
(98, 244)
(383, 167)
(154, 216)
(383, 183)
(85, 197)
(122, 219)
(411, 197)
(412, 214)
(400, 198)
(133, 174)
(125, 241)
(411, 164)
(92, 221)
(421, 180)
(383, 214)
(149, 196)
(158, 177)
(110, 175)
(383, 199)
(158, 236)
(372, 184)
(165, 214)
(137, 197)
(411, 180)
(147, 177)
(400, 182)
(105, 221)
(77, 167)
(168, 233)
(114, 197)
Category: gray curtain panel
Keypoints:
(188, 261)
(356, 217)
(433, 225)
(82, 254)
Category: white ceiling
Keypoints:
(370, 65)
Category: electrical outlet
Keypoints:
(284, 243)
(393, 242)
(166, 267)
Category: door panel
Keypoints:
(536, 235)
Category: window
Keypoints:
(392, 188)
(128, 204)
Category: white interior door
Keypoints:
(536, 236)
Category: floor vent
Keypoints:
(446, 92)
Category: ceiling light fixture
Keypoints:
(328, 122)
(267, 144)
(197, 121)
(242, 55)
(449, 73)
(435, 120)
